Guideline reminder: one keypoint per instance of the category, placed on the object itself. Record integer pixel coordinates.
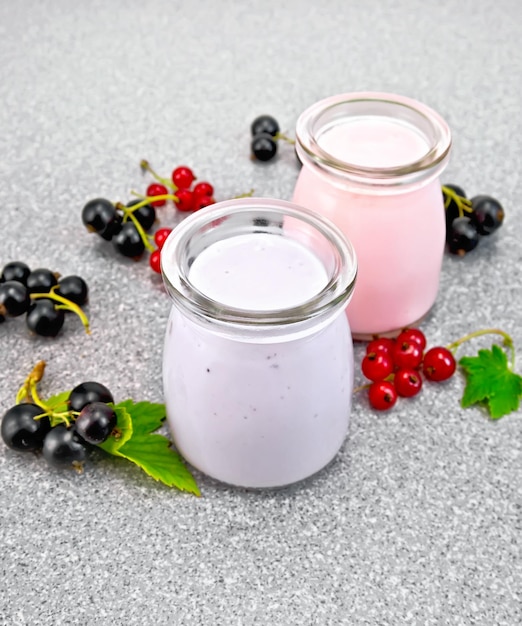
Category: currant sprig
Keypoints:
(64, 304)
(66, 426)
(265, 133)
(42, 296)
(394, 366)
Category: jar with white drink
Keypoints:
(258, 357)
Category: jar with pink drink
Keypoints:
(371, 164)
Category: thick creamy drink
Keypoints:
(371, 164)
(257, 385)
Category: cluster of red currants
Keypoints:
(187, 196)
(394, 366)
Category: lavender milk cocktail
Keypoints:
(371, 164)
(258, 361)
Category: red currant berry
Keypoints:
(184, 200)
(413, 334)
(203, 201)
(203, 189)
(407, 382)
(155, 189)
(407, 354)
(439, 364)
(155, 261)
(161, 235)
(381, 344)
(382, 395)
(183, 177)
(376, 366)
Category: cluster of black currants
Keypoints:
(126, 226)
(91, 418)
(265, 133)
(42, 295)
(467, 220)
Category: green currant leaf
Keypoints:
(489, 380)
(155, 456)
(58, 403)
(124, 430)
(146, 416)
(152, 452)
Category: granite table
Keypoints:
(417, 520)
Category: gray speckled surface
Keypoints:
(418, 519)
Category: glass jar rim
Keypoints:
(175, 269)
(313, 119)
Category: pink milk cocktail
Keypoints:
(371, 164)
(258, 356)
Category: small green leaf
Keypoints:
(124, 430)
(155, 456)
(146, 416)
(58, 403)
(490, 381)
(151, 452)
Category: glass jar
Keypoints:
(258, 355)
(371, 164)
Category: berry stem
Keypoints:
(54, 417)
(463, 204)
(66, 304)
(35, 375)
(148, 200)
(361, 388)
(284, 138)
(29, 390)
(247, 194)
(388, 378)
(128, 213)
(146, 167)
(508, 341)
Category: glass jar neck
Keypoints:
(253, 217)
(373, 140)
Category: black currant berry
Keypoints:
(101, 216)
(14, 298)
(264, 124)
(63, 448)
(16, 270)
(41, 280)
(87, 393)
(263, 147)
(44, 318)
(95, 422)
(454, 206)
(74, 288)
(146, 214)
(128, 241)
(20, 431)
(462, 236)
(487, 215)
